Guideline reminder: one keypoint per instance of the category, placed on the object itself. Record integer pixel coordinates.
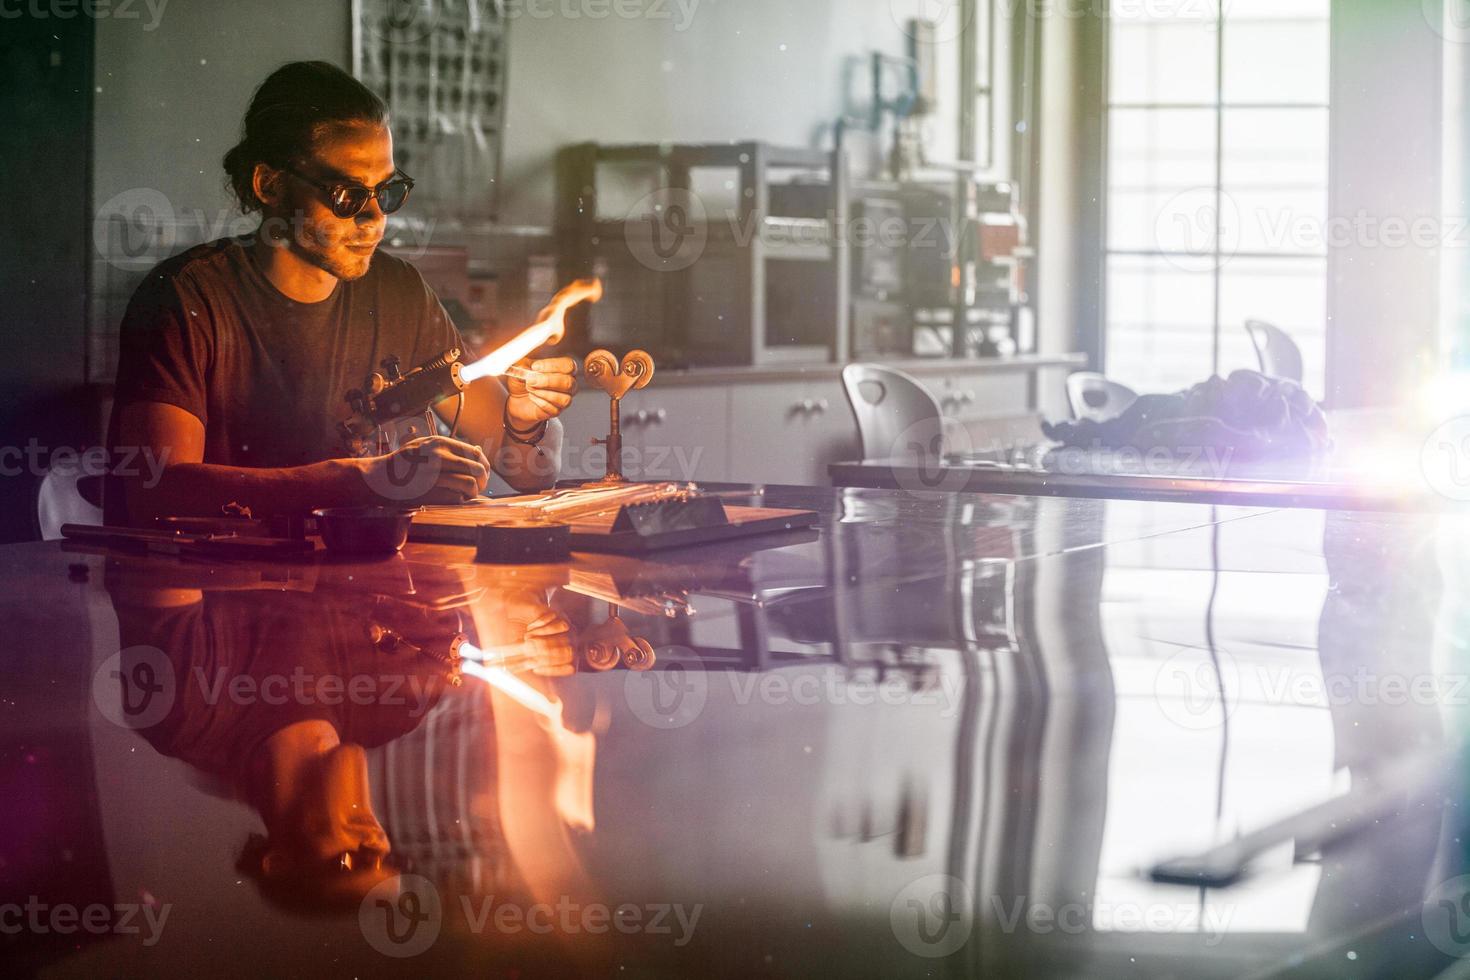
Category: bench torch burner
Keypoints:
(394, 408)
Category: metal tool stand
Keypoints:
(604, 372)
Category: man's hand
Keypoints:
(522, 633)
(542, 392)
(434, 470)
(548, 645)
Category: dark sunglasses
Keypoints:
(346, 199)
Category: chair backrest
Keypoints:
(896, 416)
(1093, 396)
(66, 495)
(1278, 353)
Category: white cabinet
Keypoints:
(769, 426)
(790, 432)
(676, 433)
(979, 397)
(995, 411)
(584, 421)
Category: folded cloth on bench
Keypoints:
(1248, 414)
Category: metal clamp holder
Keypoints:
(604, 372)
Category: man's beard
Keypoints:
(312, 245)
(348, 269)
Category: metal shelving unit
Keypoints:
(716, 310)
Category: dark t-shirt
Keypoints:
(266, 375)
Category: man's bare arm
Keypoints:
(187, 486)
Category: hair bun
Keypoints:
(286, 114)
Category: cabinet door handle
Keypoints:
(968, 398)
(820, 406)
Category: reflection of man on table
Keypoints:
(277, 693)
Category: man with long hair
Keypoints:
(236, 355)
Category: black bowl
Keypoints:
(363, 530)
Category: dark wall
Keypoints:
(45, 153)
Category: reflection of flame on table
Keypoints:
(549, 328)
(573, 753)
(507, 683)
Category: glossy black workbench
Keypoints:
(940, 736)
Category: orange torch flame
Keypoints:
(549, 328)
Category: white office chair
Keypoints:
(896, 416)
(1094, 397)
(1278, 354)
(66, 495)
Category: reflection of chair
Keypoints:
(1093, 396)
(67, 496)
(1278, 353)
(895, 414)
